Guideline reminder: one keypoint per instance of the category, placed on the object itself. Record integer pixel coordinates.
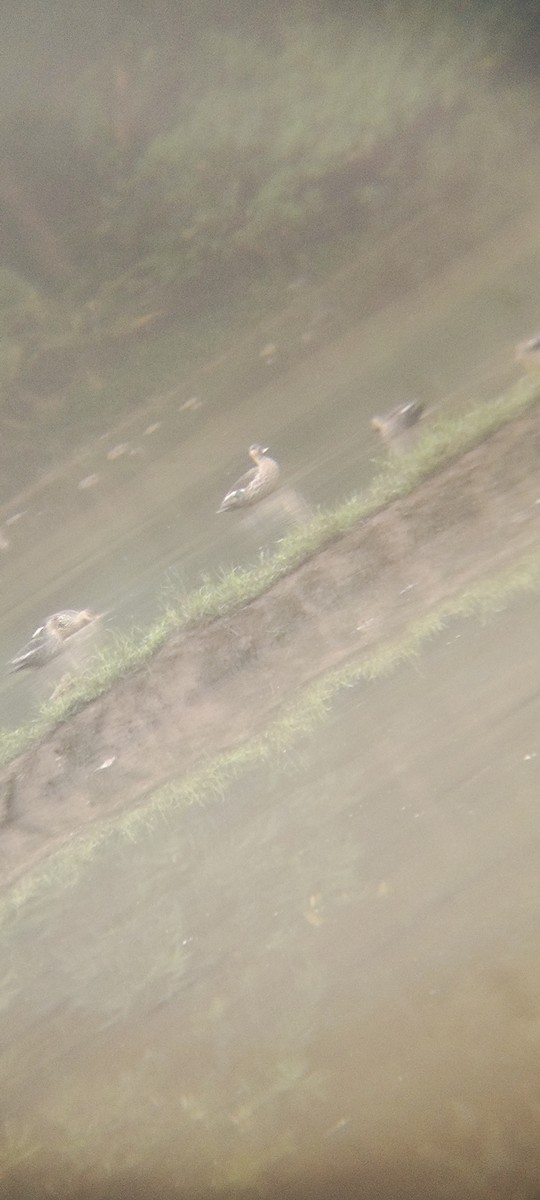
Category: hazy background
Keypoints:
(222, 223)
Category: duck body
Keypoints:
(398, 420)
(528, 353)
(255, 484)
(49, 639)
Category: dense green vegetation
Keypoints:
(189, 156)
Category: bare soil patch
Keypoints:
(211, 687)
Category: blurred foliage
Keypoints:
(194, 150)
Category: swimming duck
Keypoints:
(255, 484)
(48, 640)
(398, 420)
(528, 353)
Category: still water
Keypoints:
(334, 969)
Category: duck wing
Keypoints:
(43, 644)
(237, 493)
(32, 651)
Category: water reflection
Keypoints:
(330, 962)
(274, 515)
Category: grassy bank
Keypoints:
(297, 721)
(442, 441)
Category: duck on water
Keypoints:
(49, 639)
(255, 484)
(398, 420)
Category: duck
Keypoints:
(398, 420)
(528, 353)
(49, 639)
(255, 484)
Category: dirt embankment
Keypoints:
(212, 687)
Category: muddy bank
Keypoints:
(212, 687)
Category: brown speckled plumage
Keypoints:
(255, 484)
(50, 638)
